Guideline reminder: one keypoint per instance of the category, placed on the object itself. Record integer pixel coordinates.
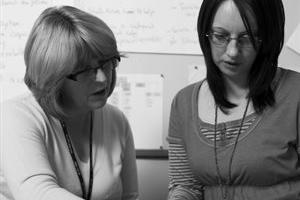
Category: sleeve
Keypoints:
(129, 167)
(182, 183)
(25, 163)
(175, 122)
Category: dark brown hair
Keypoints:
(270, 19)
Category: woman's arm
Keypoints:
(129, 168)
(25, 163)
(182, 183)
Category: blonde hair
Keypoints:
(62, 40)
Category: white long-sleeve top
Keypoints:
(36, 163)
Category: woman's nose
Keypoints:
(100, 76)
(232, 49)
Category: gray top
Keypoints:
(266, 162)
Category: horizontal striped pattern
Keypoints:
(182, 183)
(228, 134)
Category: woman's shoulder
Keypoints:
(187, 95)
(112, 111)
(289, 79)
(291, 75)
(24, 103)
(288, 85)
(22, 114)
(187, 91)
(113, 115)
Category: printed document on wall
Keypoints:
(140, 97)
(294, 40)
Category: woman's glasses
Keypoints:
(243, 41)
(90, 73)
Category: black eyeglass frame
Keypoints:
(256, 39)
(73, 76)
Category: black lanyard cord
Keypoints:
(225, 183)
(77, 168)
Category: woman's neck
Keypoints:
(78, 123)
(79, 128)
(236, 90)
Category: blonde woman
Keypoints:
(62, 140)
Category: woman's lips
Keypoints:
(100, 92)
(231, 63)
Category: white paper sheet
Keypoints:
(140, 97)
(294, 40)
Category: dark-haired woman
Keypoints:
(236, 134)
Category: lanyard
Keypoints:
(71, 150)
(226, 183)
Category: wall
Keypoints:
(289, 58)
(153, 179)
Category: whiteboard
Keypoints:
(143, 26)
(153, 26)
(147, 26)
(140, 97)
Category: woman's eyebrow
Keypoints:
(217, 28)
(223, 30)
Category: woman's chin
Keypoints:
(95, 102)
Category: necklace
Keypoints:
(223, 184)
(86, 196)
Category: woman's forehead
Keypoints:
(229, 18)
